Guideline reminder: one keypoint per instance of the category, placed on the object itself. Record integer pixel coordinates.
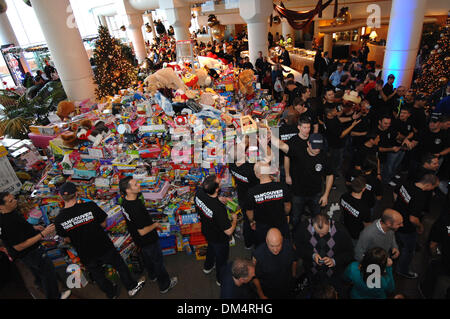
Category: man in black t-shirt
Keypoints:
(216, 226)
(143, 231)
(22, 241)
(291, 92)
(82, 225)
(288, 130)
(275, 267)
(418, 115)
(268, 204)
(236, 280)
(411, 203)
(355, 212)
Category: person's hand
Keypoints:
(289, 180)
(395, 91)
(328, 262)
(264, 297)
(157, 225)
(356, 122)
(234, 217)
(323, 201)
(379, 176)
(224, 200)
(39, 227)
(253, 225)
(395, 253)
(356, 116)
(420, 229)
(389, 262)
(317, 258)
(395, 149)
(50, 229)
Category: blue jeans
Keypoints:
(336, 159)
(390, 166)
(218, 253)
(154, 262)
(113, 258)
(298, 206)
(42, 267)
(407, 244)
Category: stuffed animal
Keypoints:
(209, 62)
(203, 78)
(245, 80)
(164, 78)
(69, 139)
(65, 110)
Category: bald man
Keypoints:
(268, 204)
(275, 267)
(381, 233)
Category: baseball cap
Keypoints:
(391, 76)
(435, 117)
(316, 141)
(67, 189)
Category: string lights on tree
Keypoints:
(113, 70)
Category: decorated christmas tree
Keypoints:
(113, 70)
(436, 68)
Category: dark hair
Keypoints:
(429, 179)
(379, 82)
(329, 110)
(323, 291)
(370, 163)
(427, 158)
(359, 82)
(358, 184)
(298, 101)
(290, 75)
(320, 219)
(2, 197)
(303, 89)
(239, 268)
(384, 116)
(123, 185)
(372, 77)
(303, 119)
(305, 70)
(290, 82)
(375, 255)
(344, 78)
(210, 185)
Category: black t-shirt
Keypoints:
(433, 142)
(403, 127)
(440, 233)
(245, 178)
(361, 127)
(292, 95)
(213, 216)
(308, 172)
(333, 131)
(364, 152)
(229, 290)
(81, 223)
(137, 217)
(374, 187)
(419, 118)
(377, 102)
(14, 229)
(267, 202)
(410, 202)
(274, 271)
(387, 140)
(354, 213)
(286, 132)
(297, 145)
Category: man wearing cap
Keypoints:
(22, 241)
(82, 225)
(388, 88)
(418, 115)
(310, 167)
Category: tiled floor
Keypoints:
(194, 284)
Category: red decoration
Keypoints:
(293, 16)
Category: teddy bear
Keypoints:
(65, 110)
(203, 78)
(245, 80)
(164, 78)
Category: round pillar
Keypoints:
(134, 31)
(287, 29)
(7, 36)
(403, 40)
(328, 44)
(66, 47)
(103, 20)
(256, 14)
(179, 18)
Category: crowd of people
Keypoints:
(33, 84)
(387, 144)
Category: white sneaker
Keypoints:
(208, 271)
(66, 294)
(393, 184)
(133, 292)
(397, 176)
(173, 283)
(218, 283)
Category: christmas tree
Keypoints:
(436, 68)
(113, 70)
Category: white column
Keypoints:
(403, 40)
(287, 29)
(178, 15)
(134, 31)
(66, 47)
(152, 24)
(328, 44)
(256, 13)
(7, 36)
(103, 20)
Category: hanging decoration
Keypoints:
(300, 20)
(27, 2)
(3, 6)
(344, 17)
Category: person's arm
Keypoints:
(389, 149)
(144, 231)
(287, 166)
(358, 133)
(348, 129)
(259, 290)
(230, 230)
(323, 201)
(35, 239)
(294, 269)
(251, 218)
(416, 221)
(361, 247)
(287, 209)
(444, 152)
